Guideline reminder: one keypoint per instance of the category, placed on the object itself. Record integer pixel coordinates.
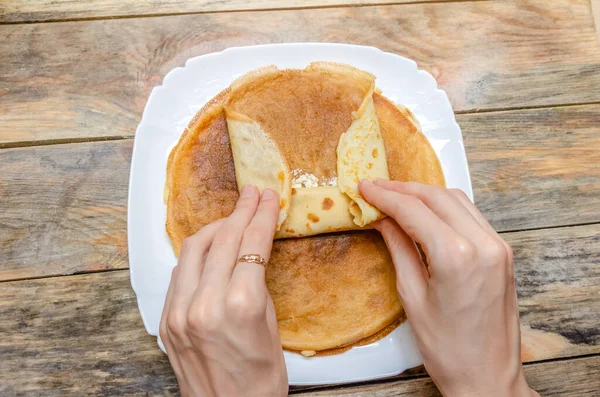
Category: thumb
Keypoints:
(411, 280)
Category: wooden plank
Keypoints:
(14, 11)
(63, 209)
(530, 169)
(596, 13)
(79, 335)
(573, 378)
(77, 80)
(83, 335)
(535, 168)
(557, 275)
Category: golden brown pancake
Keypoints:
(330, 290)
(257, 132)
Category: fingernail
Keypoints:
(267, 194)
(379, 180)
(247, 191)
(366, 182)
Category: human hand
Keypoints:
(463, 306)
(218, 324)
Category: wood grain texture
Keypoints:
(63, 209)
(567, 261)
(92, 78)
(64, 206)
(82, 335)
(573, 378)
(12, 11)
(535, 168)
(596, 13)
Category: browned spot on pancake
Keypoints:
(245, 139)
(327, 203)
(282, 204)
(280, 176)
(369, 166)
(294, 191)
(289, 230)
(312, 217)
(308, 227)
(375, 153)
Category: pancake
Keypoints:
(257, 132)
(329, 290)
(361, 155)
(258, 161)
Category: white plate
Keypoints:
(169, 110)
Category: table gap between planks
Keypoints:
(523, 77)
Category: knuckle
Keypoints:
(429, 190)
(413, 187)
(464, 249)
(244, 304)
(175, 324)
(408, 201)
(204, 317)
(494, 253)
(458, 193)
(436, 189)
(458, 251)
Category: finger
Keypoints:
(246, 297)
(442, 203)
(221, 258)
(165, 336)
(411, 275)
(163, 329)
(466, 202)
(460, 195)
(190, 264)
(413, 216)
(258, 239)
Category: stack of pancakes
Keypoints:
(329, 290)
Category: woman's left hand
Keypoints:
(218, 323)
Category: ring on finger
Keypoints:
(252, 258)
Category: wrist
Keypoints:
(516, 387)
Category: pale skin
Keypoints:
(219, 325)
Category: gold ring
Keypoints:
(253, 258)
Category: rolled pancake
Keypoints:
(328, 290)
(359, 154)
(258, 161)
(317, 210)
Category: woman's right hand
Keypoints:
(462, 307)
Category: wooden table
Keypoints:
(523, 77)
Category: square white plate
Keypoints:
(170, 108)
